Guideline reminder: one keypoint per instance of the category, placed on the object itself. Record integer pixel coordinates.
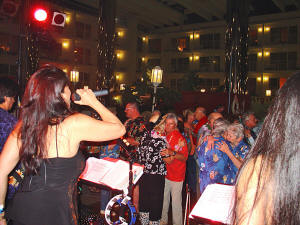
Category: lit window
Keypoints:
(266, 79)
(65, 44)
(68, 19)
(120, 33)
(268, 92)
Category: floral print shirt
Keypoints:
(240, 151)
(135, 128)
(213, 165)
(7, 123)
(149, 153)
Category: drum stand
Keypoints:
(187, 206)
(125, 209)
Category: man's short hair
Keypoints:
(246, 116)
(8, 88)
(219, 127)
(203, 110)
(134, 105)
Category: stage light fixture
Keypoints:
(40, 15)
(59, 19)
(9, 8)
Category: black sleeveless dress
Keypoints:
(49, 198)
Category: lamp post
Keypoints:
(74, 77)
(156, 79)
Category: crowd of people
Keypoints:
(192, 149)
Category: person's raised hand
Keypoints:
(87, 96)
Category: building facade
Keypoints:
(273, 49)
(273, 52)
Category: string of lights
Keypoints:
(106, 58)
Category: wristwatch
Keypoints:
(174, 153)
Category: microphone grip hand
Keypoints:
(84, 97)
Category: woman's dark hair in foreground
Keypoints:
(42, 105)
(278, 146)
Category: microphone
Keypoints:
(76, 97)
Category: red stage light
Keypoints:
(40, 15)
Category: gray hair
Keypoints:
(220, 126)
(246, 116)
(172, 116)
(237, 129)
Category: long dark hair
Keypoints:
(278, 147)
(42, 105)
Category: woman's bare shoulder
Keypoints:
(75, 118)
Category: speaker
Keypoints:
(59, 19)
(9, 8)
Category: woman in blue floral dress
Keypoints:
(236, 149)
(213, 162)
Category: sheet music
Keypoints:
(113, 173)
(216, 203)
(95, 171)
(116, 179)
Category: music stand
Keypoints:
(123, 201)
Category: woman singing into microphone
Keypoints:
(46, 140)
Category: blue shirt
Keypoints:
(110, 153)
(240, 151)
(213, 164)
(7, 123)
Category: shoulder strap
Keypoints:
(56, 140)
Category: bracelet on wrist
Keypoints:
(1, 209)
(166, 156)
(174, 153)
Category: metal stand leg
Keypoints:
(187, 206)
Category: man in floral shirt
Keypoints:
(135, 128)
(135, 125)
(175, 157)
(8, 92)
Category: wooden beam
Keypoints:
(195, 8)
(280, 4)
(157, 9)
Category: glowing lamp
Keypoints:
(156, 76)
(74, 76)
(156, 79)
